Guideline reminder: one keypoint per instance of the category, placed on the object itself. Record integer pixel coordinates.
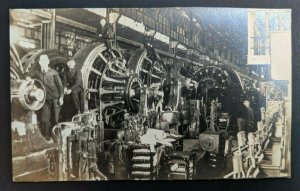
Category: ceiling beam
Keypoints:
(46, 15)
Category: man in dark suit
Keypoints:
(49, 115)
(105, 33)
(73, 85)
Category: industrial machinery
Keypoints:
(182, 166)
(78, 142)
(30, 151)
(112, 85)
(223, 84)
(123, 99)
(220, 88)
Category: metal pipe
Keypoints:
(52, 30)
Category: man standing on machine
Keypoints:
(49, 115)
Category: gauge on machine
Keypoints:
(208, 143)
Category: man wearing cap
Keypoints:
(72, 81)
(49, 115)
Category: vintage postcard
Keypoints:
(150, 93)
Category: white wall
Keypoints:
(281, 55)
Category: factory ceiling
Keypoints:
(231, 23)
(224, 28)
(82, 16)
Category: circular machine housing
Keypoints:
(223, 84)
(152, 73)
(217, 82)
(113, 86)
(30, 93)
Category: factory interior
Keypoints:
(162, 94)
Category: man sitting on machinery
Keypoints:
(72, 81)
(105, 33)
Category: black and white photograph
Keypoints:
(166, 93)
